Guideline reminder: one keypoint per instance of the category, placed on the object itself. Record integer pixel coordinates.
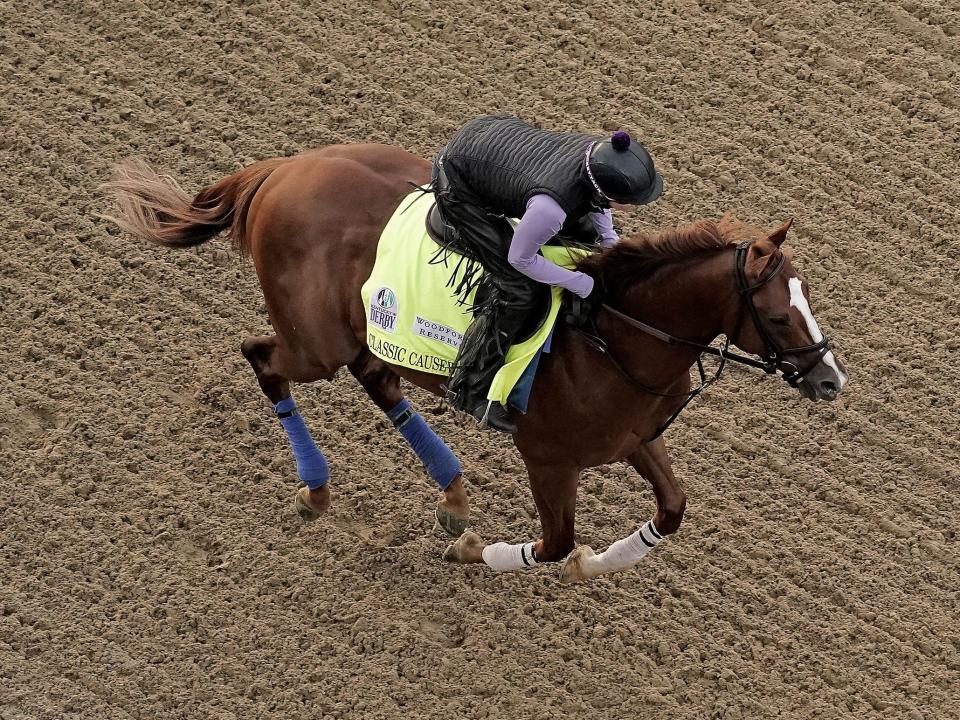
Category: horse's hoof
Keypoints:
(302, 506)
(468, 548)
(572, 569)
(448, 523)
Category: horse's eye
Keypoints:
(780, 319)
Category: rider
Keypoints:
(500, 167)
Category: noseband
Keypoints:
(774, 356)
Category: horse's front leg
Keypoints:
(653, 463)
(555, 493)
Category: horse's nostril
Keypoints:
(829, 388)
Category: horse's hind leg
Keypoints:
(383, 387)
(268, 360)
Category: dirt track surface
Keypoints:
(150, 564)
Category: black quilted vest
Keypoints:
(503, 161)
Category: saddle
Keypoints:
(435, 227)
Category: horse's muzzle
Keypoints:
(826, 380)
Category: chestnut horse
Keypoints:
(311, 224)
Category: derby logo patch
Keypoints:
(384, 307)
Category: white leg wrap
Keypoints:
(627, 552)
(504, 557)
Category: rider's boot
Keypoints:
(494, 415)
(475, 372)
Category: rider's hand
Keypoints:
(597, 296)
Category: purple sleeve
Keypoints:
(539, 223)
(603, 222)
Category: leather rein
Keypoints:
(773, 361)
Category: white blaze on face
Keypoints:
(798, 301)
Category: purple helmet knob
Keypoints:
(620, 140)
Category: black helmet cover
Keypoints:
(622, 171)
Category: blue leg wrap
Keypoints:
(437, 458)
(311, 464)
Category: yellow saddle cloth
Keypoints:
(413, 318)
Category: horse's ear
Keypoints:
(780, 234)
(761, 255)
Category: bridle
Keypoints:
(772, 362)
(775, 359)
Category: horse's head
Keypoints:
(775, 320)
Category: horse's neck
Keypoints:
(691, 300)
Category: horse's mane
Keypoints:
(637, 257)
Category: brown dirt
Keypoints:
(151, 562)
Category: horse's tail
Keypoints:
(156, 208)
